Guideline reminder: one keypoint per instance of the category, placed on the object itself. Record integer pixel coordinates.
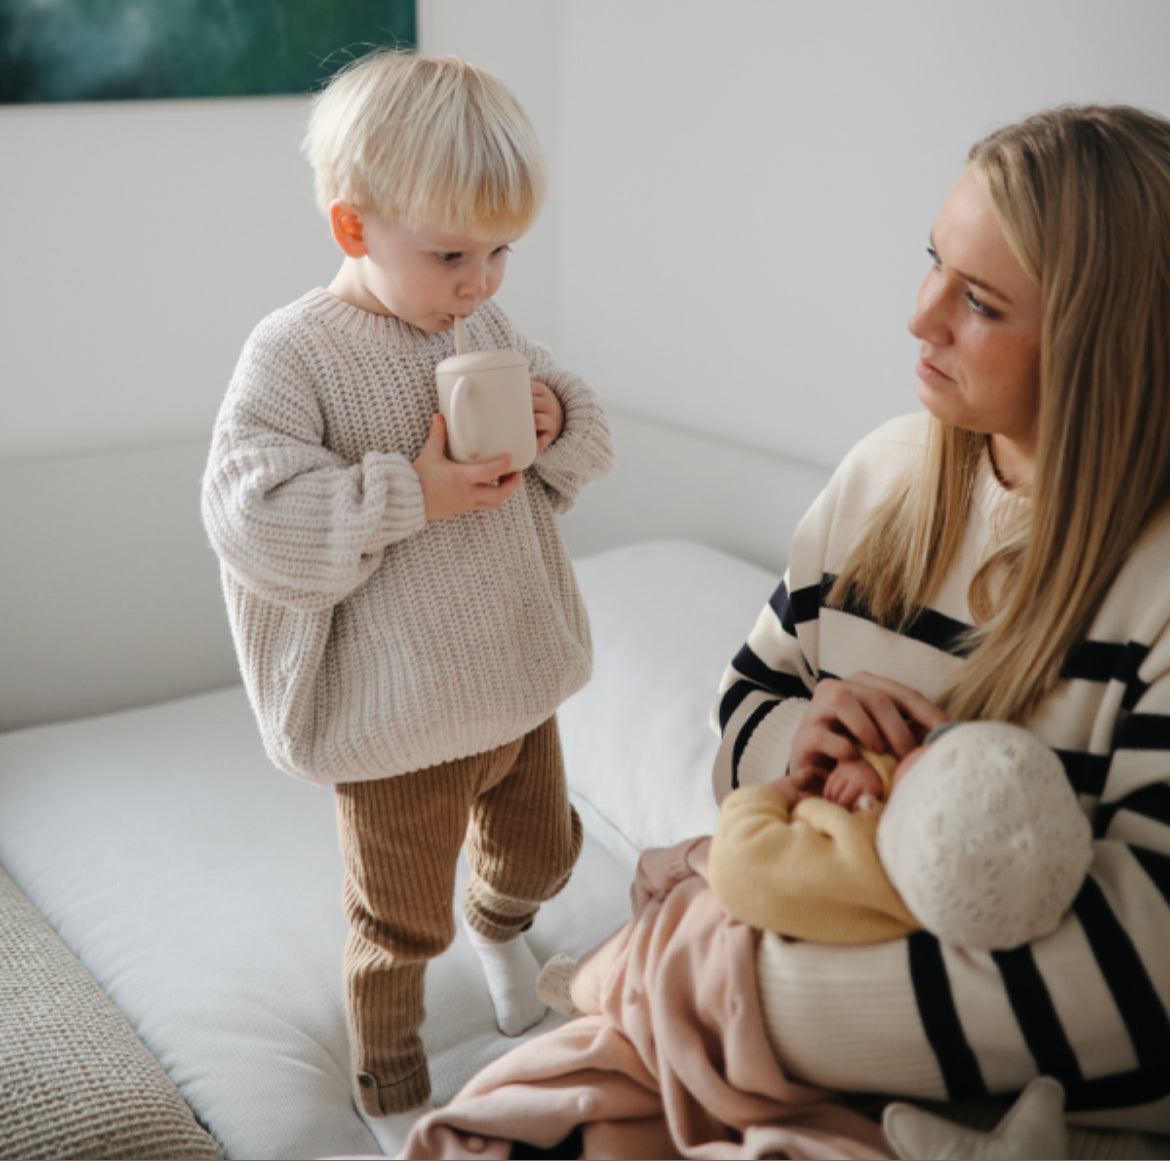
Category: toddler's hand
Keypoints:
(450, 488)
(547, 413)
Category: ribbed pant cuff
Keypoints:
(380, 1100)
(496, 917)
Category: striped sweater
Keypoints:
(1087, 1004)
(372, 642)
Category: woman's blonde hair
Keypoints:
(429, 141)
(1082, 194)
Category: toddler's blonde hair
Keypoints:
(430, 141)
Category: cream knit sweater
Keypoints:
(371, 642)
(1088, 1004)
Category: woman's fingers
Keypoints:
(861, 711)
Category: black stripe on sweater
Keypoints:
(925, 625)
(1036, 1015)
(1144, 732)
(1135, 996)
(745, 735)
(940, 1019)
(1151, 802)
(1119, 1091)
(1156, 865)
(1105, 661)
(731, 700)
(764, 677)
(1086, 772)
(805, 604)
(781, 605)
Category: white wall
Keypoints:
(741, 195)
(747, 188)
(143, 240)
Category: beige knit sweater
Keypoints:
(372, 642)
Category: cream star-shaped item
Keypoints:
(1033, 1128)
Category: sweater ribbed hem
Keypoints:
(805, 988)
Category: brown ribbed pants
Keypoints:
(400, 840)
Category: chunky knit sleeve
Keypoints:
(583, 452)
(766, 689)
(1089, 1003)
(291, 520)
(812, 873)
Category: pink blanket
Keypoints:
(671, 1059)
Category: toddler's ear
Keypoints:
(348, 229)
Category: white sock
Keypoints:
(510, 970)
(392, 1130)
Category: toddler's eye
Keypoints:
(450, 256)
(499, 250)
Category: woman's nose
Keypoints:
(928, 322)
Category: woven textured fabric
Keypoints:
(75, 1080)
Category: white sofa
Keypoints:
(180, 898)
(171, 930)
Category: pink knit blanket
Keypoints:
(671, 1059)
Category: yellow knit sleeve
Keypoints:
(814, 875)
(884, 766)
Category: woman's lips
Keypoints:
(926, 370)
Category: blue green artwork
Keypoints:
(116, 50)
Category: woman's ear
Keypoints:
(348, 229)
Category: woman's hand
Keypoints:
(877, 713)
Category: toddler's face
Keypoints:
(428, 276)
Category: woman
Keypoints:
(1004, 556)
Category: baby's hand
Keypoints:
(450, 488)
(548, 414)
(851, 781)
(794, 787)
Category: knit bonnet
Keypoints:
(984, 839)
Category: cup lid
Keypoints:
(481, 361)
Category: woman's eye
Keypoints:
(978, 305)
(932, 254)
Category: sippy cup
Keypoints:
(486, 399)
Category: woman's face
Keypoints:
(978, 325)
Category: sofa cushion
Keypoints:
(76, 1080)
(667, 617)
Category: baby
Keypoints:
(980, 840)
(976, 836)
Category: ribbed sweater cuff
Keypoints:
(405, 511)
(582, 452)
(766, 756)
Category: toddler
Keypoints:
(407, 625)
